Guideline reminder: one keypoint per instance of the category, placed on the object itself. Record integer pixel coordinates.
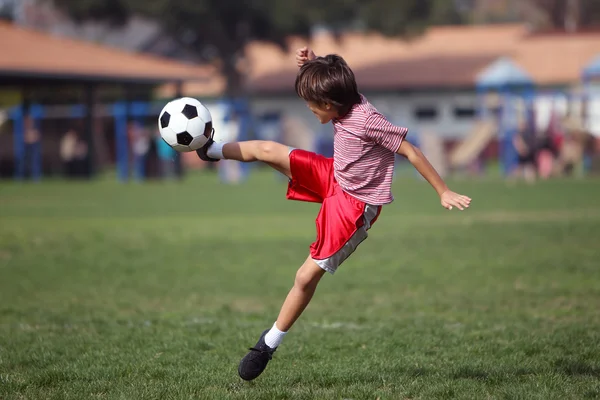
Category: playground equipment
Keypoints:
(514, 89)
(591, 71)
(122, 113)
(474, 144)
(432, 146)
(36, 112)
(591, 83)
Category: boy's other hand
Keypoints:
(451, 199)
(303, 55)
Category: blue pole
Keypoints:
(138, 111)
(504, 129)
(19, 142)
(37, 113)
(120, 115)
(510, 122)
(78, 111)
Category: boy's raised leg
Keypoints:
(273, 153)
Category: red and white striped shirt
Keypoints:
(364, 148)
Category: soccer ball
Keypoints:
(185, 124)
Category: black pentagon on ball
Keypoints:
(184, 138)
(164, 120)
(208, 129)
(190, 111)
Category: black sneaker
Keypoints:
(255, 362)
(202, 152)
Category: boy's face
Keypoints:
(323, 112)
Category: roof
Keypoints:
(213, 87)
(419, 73)
(503, 72)
(446, 56)
(443, 57)
(443, 71)
(34, 55)
(557, 59)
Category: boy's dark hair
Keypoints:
(328, 80)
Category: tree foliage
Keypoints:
(557, 15)
(221, 29)
(568, 15)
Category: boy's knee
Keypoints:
(269, 151)
(307, 279)
(265, 150)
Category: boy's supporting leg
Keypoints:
(307, 278)
(305, 284)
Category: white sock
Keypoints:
(215, 150)
(274, 337)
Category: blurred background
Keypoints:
(487, 87)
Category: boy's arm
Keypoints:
(392, 137)
(448, 198)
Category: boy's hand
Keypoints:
(303, 55)
(451, 199)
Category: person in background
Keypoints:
(32, 161)
(68, 148)
(525, 145)
(140, 144)
(166, 157)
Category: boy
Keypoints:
(352, 186)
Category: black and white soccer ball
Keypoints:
(185, 124)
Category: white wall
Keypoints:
(399, 108)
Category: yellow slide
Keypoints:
(468, 150)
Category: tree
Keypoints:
(219, 30)
(567, 15)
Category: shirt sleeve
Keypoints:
(384, 133)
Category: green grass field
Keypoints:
(155, 291)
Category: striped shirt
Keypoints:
(364, 147)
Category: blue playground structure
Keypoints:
(17, 114)
(592, 71)
(516, 91)
(122, 112)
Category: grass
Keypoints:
(155, 291)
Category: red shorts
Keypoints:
(343, 221)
